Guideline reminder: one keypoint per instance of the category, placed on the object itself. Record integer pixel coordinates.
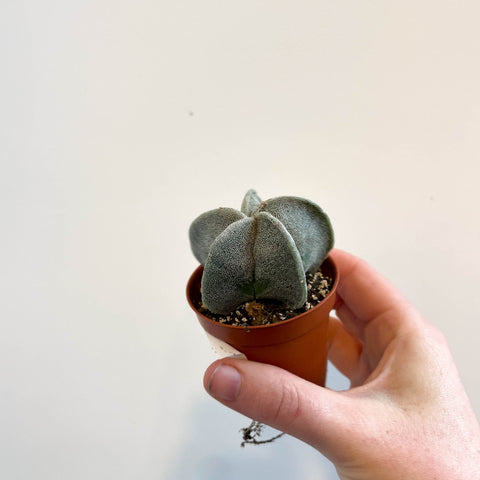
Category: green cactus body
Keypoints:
(260, 252)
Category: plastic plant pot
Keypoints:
(299, 344)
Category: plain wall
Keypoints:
(121, 121)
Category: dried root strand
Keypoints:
(252, 433)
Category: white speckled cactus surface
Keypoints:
(260, 252)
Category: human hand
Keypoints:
(406, 415)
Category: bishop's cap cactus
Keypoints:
(260, 252)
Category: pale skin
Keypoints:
(406, 415)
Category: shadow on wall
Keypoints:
(212, 451)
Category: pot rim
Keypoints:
(331, 266)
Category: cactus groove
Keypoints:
(261, 252)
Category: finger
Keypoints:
(344, 349)
(364, 290)
(370, 307)
(280, 399)
(348, 318)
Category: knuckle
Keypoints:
(288, 404)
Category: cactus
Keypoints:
(261, 252)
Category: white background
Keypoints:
(121, 121)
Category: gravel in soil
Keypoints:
(256, 313)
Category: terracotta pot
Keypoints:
(298, 344)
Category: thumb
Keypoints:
(280, 399)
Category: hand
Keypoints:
(406, 415)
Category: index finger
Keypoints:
(370, 307)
